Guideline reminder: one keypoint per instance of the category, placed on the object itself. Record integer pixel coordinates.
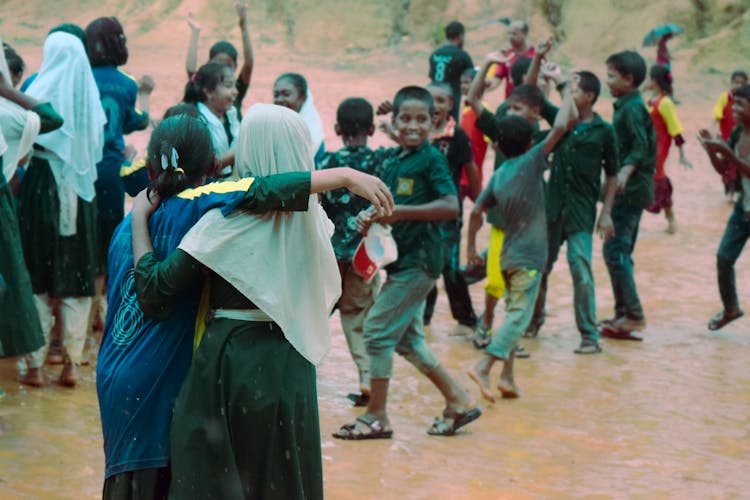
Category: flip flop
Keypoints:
(349, 431)
(618, 334)
(588, 348)
(358, 399)
(722, 319)
(442, 427)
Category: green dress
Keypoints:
(245, 423)
(20, 330)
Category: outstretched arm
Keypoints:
(247, 48)
(367, 186)
(191, 63)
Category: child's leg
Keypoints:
(455, 284)
(35, 360)
(554, 242)
(357, 297)
(735, 236)
(495, 287)
(584, 291)
(74, 312)
(618, 252)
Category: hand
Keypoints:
(387, 128)
(496, 58)
(686, 164)
(373, 189)
(364, 221)
(129, 152)
(143, 205)
(146, 85)
(194, 25)
(241, 9)
(550, 70)
(605, 228)
(543, 47)
(473, 258)
(384, 108)
(622, 180)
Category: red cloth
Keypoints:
(478, 146)
(503, 69)
(726, 124)
(663, 139)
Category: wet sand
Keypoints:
(664, 418)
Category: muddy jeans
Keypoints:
(579, 248)
(618, 255)
(735, 236)
(394, 323)
(522, 287)
(357, 297)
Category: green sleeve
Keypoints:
(638, 131)
(158, 282)
(549, 112)
(49, 118)
(487, 123)
(609, 152)
(287, 192)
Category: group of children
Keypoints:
(157, 259)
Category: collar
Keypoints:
(631, 96)
(404, 152)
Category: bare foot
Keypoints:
(33, 378)
(68, 376)
(482, 379)
(508, 389)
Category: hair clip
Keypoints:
(174, 157)
(164, 164)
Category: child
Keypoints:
(518, 190)
(354, 123)
(15, 63)
(724, 124)
(518, 32)
(424, 193)
(225, 53)
(667, 127)
(448, 62)
(212, 90)
(453, 142)
(479, 141)
(290, 90)
(636, 143)
(735, 152)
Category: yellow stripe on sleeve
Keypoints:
(126, 170)
(669, 113)
(224, 187)
(721, 103)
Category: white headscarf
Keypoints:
(309, 113)
(66, 82)
(19, 126)
(282, 261)
(219, 138)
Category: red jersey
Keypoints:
(503, 69)
(723, 114)
(667, 126)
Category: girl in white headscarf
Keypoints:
(57, 211)
(246, 421)
(290, 90)
(21, 120)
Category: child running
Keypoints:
(636, 144)
(667, 127)
(517, 189)
(424, 193)
(354, 123)
(722, 155)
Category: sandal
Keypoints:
(720, 320)
(452, 421)
(588, 348)
(350, 432)
(358, 399)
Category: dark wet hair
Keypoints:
(354, 116)
(71, 29)
(208, 77)
(629, 63)
(530, 95)
(182, 109)
(443, 85)
(106, 42)
(743, 92)
(191, 140)
(16, 66)
(589, 82)
(519, 70)
(453, 30)
(662, 77)
(470, 72)
(223, 47)
(514, 135)
(735, 74)
(295, 79)
(415, 93)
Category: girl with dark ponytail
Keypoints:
(667, 127)
(212, 89)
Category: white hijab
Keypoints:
(310, 114)
(66, 82)
(282, 261)
(19, 126)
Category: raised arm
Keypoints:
(191, 63)
(248, 60)
(477, 87)
(532, 75)
(564, 120)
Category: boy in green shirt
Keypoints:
(424, 193)
(636, 143)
